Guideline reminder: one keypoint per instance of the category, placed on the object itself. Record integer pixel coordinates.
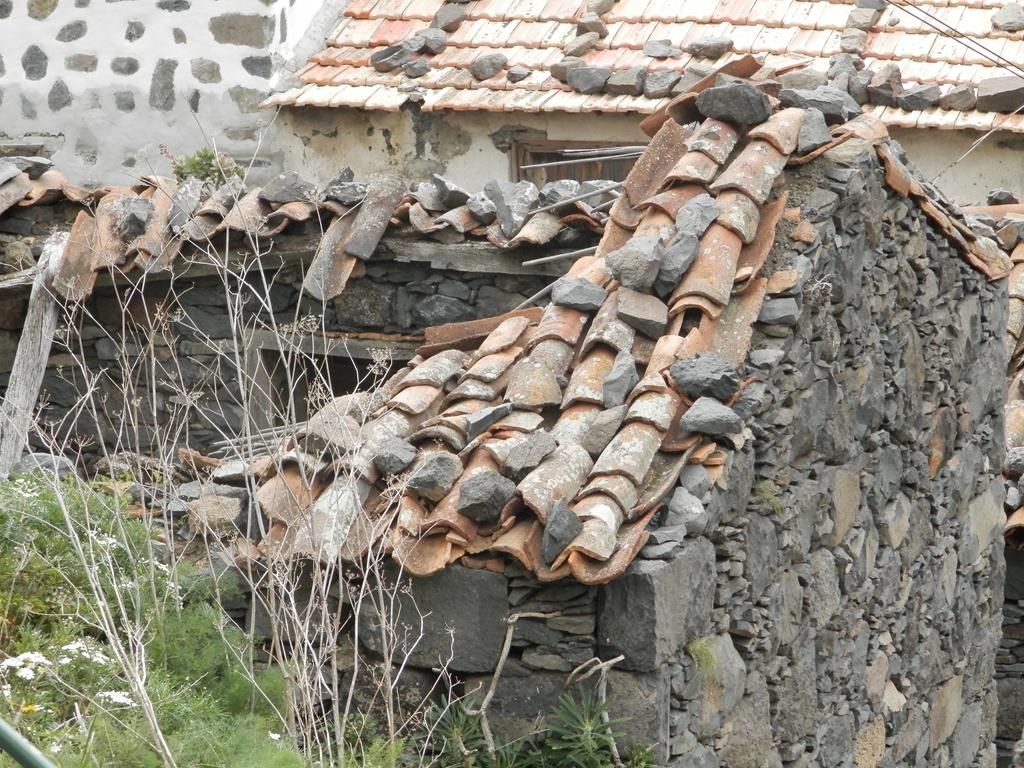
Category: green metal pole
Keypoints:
(23, 752)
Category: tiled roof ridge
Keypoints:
(514, 55)
(552, 436)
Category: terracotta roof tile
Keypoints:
(354, 32)
(767, 28)
(630, 11)
(561, 10)
(359, 9)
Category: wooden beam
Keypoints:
(470, 256)
(332, 346)
(19, 401)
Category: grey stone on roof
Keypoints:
(710, 417)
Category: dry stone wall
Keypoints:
(1010, 660)
(839, 603)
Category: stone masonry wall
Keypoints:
(98, 86)
(839, 603)
(1010, 661)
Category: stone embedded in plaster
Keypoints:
(161, 87)
(86, 147)
(258, 66)
(81, 62)
(28, 108)
(946, 708)
(134, 30)
(193, 100)
(74, 30)
(124, 65)
(174, 6)
(3, 69)
(982, 525)
(205, 70)
(34, 62)
(59, 96)
(40, 9)
(179, 36)
(246, 99)
(5, 8)
(243, 29)
(124, 101)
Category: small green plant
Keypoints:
(206, 165)
(457, 738)
(639, 756)
(579, 735)
(768, 494)
(702, 653)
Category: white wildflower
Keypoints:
(28, 658)
(274, 736)
(26, 673)
(56, 747)
(116, 697)
(80, 649)
(5, 689)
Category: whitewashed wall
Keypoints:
(100, 85)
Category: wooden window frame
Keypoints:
(524, 151)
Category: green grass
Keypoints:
(702, 653)
(62, 686)
(60, 682)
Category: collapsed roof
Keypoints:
(145, 227)
(552, 436)
(908, 66)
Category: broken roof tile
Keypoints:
(693, 167)
(716, 139)
(587, 382)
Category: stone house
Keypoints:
(767, 483)
(752, 444)
(494, 92)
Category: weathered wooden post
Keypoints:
(33, 351)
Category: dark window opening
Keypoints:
(540, 151)
(300, 384)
